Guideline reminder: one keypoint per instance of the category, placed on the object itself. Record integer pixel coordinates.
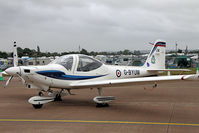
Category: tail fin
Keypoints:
(156, 58)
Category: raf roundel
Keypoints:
(118, 73)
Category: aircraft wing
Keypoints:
(132, 81)
(184, 70)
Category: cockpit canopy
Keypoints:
(84, 62)
(87, 63)
(66, 61)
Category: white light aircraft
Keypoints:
(79, 71)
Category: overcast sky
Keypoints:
(98, 25)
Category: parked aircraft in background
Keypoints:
(79, 71)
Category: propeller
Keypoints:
(13, 70)
(15, 55)
(8, 81)
(23, 81)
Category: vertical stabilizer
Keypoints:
(156, 58)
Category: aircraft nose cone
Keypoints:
(13, 70)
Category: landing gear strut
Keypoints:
(58, 97)
(102, 101)
(101, 104)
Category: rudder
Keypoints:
(156, 58)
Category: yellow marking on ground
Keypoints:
(103, 122)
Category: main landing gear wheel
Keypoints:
(102, 101)
(99, 105)
(37, 106)
(40, 93)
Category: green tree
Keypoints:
(137, 52)
(93, 53)
(126, 52)
(55, 54)
(27, 52)
(48, 54)
(84, 51)
(19, 51)
(64, 53)
(3, 55)
(179, 51)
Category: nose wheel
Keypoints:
(40, 93)
(38, 101)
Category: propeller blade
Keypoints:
(15, 55)
(8, 81)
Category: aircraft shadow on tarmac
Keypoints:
(127, 109)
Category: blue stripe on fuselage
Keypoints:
(61, 75)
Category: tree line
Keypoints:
(37, 53)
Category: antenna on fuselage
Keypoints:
(151, 43)
(79, 49)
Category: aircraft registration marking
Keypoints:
(131, 72)
(127, 72)
(102, 122)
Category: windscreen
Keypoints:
(66, 61)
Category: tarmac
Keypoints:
(169, 108)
